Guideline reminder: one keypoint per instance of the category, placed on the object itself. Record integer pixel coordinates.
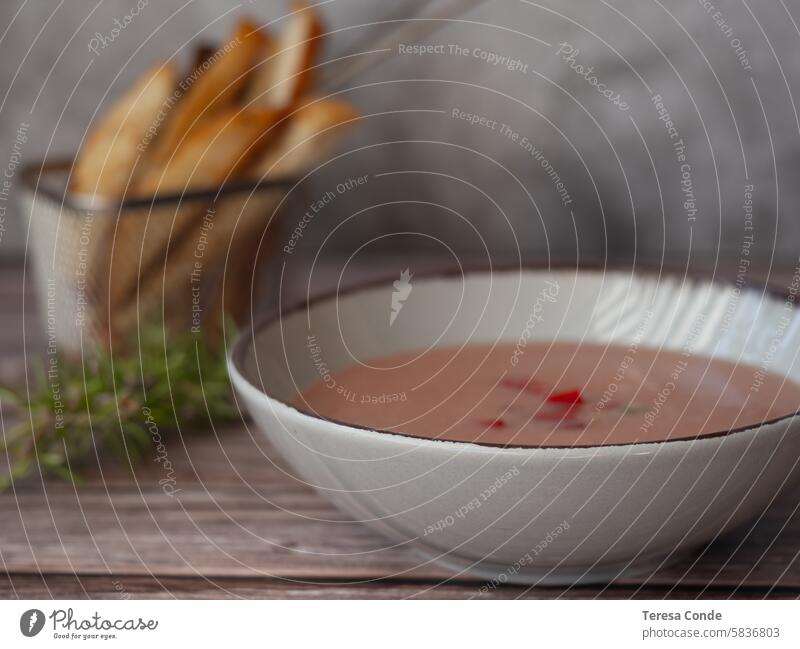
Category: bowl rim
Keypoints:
(245, 341)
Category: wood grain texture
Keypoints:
(126, 587)
(240, 525)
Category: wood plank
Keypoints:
(259, 523)
(128, 587)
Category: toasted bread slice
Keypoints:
(307, 139)
(214, 150)
(108, 157)
(285, 74)
(240, 223)
(215, 153)
(213, 85)
(107, 165)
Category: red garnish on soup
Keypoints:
(571, 397)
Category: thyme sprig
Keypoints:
(72, 409)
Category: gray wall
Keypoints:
(472, 186)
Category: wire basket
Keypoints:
(181, 261)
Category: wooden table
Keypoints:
(242, 528)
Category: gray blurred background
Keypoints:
(727, 77)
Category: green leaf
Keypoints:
(182, 381)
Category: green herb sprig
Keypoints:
(74, 408)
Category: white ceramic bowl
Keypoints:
(532, 515)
